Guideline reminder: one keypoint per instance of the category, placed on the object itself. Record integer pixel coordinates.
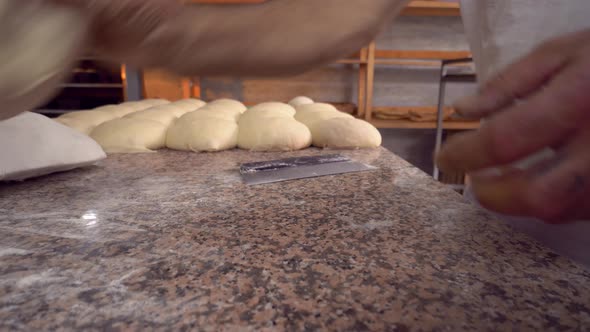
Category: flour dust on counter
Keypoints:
(177, 241)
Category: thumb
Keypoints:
(518, 80)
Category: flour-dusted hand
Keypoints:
(541, 101)
(119, 26)
(273, 38)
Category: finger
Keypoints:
(516, 81)
(521, 78)
(501, 193)
(558, 192)
(545, 119)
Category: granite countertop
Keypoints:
(176, 241)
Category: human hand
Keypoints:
(119, 26)
(279, 37)
(541, 101)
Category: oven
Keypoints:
(94, 83)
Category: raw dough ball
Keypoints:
(136, 105)
(130, 135)
(206, 134)
(232, 112)
(206, 112)
(313, 114)
(117, 110)
(178, 111)
(260, 117)
(145, 104)
(39, 45)
(85, 121)
(273, 107)
(273, 134)
(346, 133)
(155, 102)
(194, 104)
(228, 104)
(76, 124)
(310, 119)
(317, 107)
(165, 117)
(301, 100)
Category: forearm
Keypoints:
(276, 38)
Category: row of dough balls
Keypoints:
(192, 125)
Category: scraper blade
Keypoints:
(299, 168)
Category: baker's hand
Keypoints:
(277, 37)
(119, 26)
(541, 101)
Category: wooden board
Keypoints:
(414, 8)
(432, 8)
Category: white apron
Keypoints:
(501, 31)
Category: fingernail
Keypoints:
(467, 106)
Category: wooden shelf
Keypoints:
(407, 124)
(414, 8)
(225, 2)
(351, 61)
(93, 85)
(421, 54)
(432, 8)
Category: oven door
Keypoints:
(93, 83)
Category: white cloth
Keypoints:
(500, 32)
(34, 145)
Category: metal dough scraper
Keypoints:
(299, 168)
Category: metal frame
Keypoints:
(133, 84)
(443, 79)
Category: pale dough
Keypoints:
(202, 135)
(135, 105)
(193, 104)
(85, 121)
(145, 104)
(260, 116)
(78, 125)
(346, 133)
(178, 111)
(130, 135)
(228, 104)
(164, 116)
(311, 119)
(117, 110)
(206, 112)
(273, 134)
(301, 100)
(39, 45)
(313, 114)
(155, 102)
(316, 107)
(273, 107)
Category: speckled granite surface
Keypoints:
(175, 241)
